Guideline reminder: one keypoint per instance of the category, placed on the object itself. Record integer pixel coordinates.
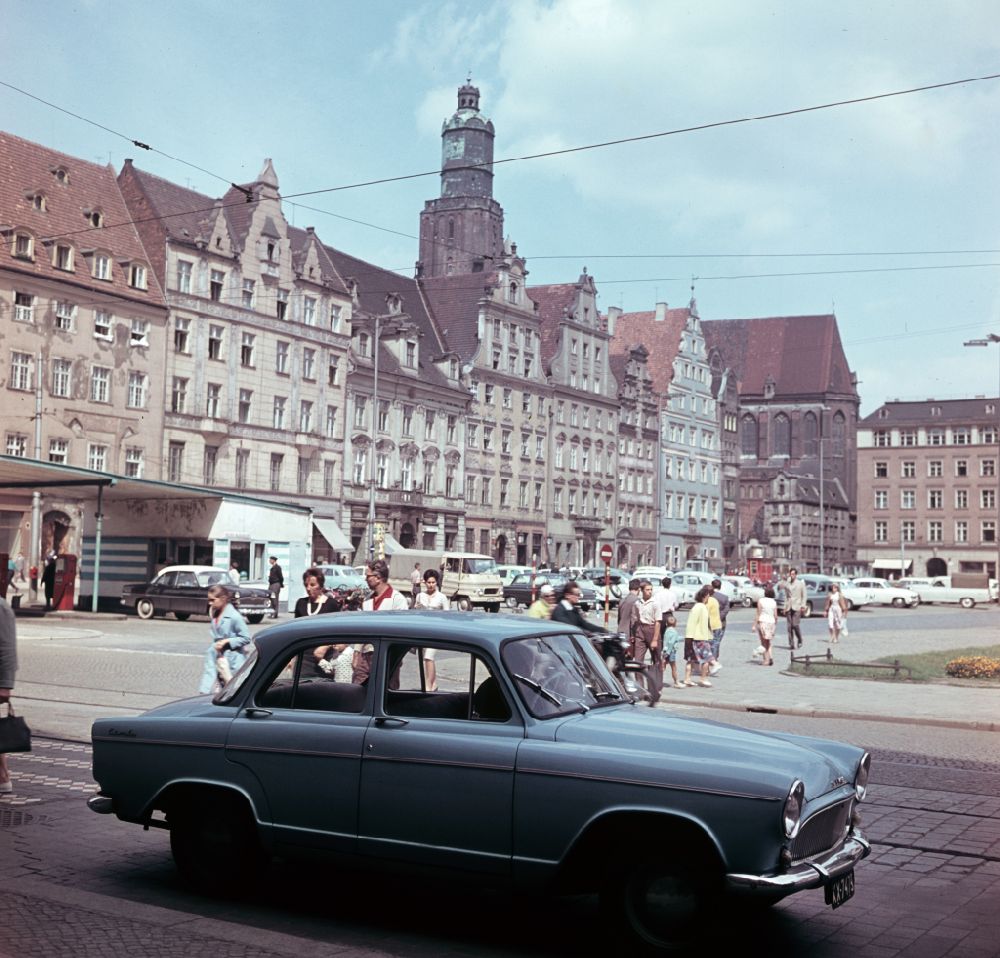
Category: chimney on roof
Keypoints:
(661, 312)
(613, 313)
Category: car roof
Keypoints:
(478, 629)
(192, 568)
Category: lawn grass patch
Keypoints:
(925, 666)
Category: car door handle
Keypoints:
(384, 721)
(257, 713)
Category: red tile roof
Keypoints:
(454, 303)
(27, 167)
(662, 339)
(803, 355)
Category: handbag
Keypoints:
(843, 629)
(15, 736)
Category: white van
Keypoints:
(468, 579)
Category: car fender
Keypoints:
(248, 790)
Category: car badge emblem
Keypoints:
(839, 780)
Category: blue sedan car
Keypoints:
(524, 762)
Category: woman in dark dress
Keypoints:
(330, 660)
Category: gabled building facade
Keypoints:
(583, 421)
(257, 352)
(82, 326)
(798, 404)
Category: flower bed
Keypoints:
(974, 667)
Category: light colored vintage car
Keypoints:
(884, 592)
(528, 766)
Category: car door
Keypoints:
(437, 772)
(159, 590)
(301, 734)
(186, 595)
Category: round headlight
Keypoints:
(791, 816)
(861, 777)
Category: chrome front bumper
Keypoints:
(812, 873)
(102, 804)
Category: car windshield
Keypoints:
(236, 682)
(213, 576)
(478, 566)
(559, 675)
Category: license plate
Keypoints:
(841, 889)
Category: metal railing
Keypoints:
(827, 659)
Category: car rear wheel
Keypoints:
(182, 616)
(747, 602)
(463, 604)
(144, 609)
(967, 602)
(898, 602)
(511, 602)
(658, 905)
(809, 610)
(850, 605)
(212, 839)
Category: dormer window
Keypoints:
(94, 217)
(883, 413)
(512, 293)
(411, 355)
(24, 246)
(137, 276)
(272, 251)
(102, 266)
(394, 303)
(38, 201)
(935, 410)
(363, 344)
(61, 175)
(62, 257)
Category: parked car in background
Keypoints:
(519, 592)
(183, 590)
(818, 588)
(884, 592)
(751, 592)
(343, 578)
(508, 572)
(527, 765)
(614, 592)
(963, 591)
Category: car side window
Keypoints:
(452, 565)
(326, 678)
(429, 682)
(187, 580)
(166, 580)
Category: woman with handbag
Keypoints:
(230, 637)
(836, 612)
(8, 666)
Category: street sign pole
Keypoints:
(607, 553)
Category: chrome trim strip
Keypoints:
(808, 874)
(128, 740)
(645, 782)
(450, 763)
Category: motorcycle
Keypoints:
(633, 676)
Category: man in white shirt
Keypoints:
(384, 597)
(666, 604)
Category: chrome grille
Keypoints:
(822, 831)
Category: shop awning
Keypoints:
(391, 544)
(894, 564)
(333, 534)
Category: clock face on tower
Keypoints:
(454, 147)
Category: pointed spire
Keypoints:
(267, 180)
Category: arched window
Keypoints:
(810, 429)
(782, 435)
(839, 433)
(748, 436)
(451, 229)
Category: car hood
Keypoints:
(712, 754)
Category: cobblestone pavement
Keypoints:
(73, 883)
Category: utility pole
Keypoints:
(35, 545)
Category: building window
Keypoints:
(137, 389)
(333, 371)
(184, 268)
(748, 436)
(248, 291)
(360, 466)
(100, 384)
(961, 436)
(487, 438)
(882, 437)
(489, 394)
(61, 377)
(24, 246)
(178, 394)
(97, 457)
(281, 358)
(62, 258)
(987, 498)
(22, 371)
(987, 467)
(935, 498)
(962, 531)
(302, 476)
(360, 405)
(559, 455)
(935, 530)
(278, 412)
(209, 459)
(909, 469)
(331, 422)
(24, 307)
(486, 492)
(908, 530)
(961, 498)
(212, 400)
(961, 468)
(246, 397)
(216, 283)
(335, 313)
(305, 416)
(907, 437)
(988, 530)
(935, 437)
(137, 276)
(881, 530)
(281, 304)
(247, 341)
(574, 415)
(935, 468)
(407, 420)
(450, 478)
(309, 364)
(275, 471)
(17, 445)
(308, 311)
(134, 462)
(451, 432)
(382, 470)
(470, 488)
(410, 356)
(363, 341)
(329, 476)
(907, 499)
(782, 435)
(504, 493)
(505, 441)
(59, 451)
(383, 415)
(182, 335)
(881, 499)
(242, 468)
(139, 332)
(102, 267)
(215, 342)
(65, 317)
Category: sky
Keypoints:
(892, 207)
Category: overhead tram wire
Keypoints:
(531, 156)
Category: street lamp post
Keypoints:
(986, 341)
(379, 319)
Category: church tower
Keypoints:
(462, 230)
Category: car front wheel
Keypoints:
(511, 602)
(850, 606)
(898, 603)
(967, 602)
(144, 609)
(658, 905)
(809, 610)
